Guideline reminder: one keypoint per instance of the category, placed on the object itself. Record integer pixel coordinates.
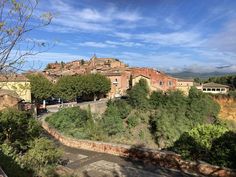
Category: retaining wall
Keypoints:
(162, 158)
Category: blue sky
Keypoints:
(170, 35)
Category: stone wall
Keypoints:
(162, 158)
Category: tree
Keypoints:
(95, 85)
(66, 88)
(138, 95)
(16, 22)
(41, 87)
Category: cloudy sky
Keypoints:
(171, 35)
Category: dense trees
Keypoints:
(227, 80)
(91, 86)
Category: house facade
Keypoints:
(17, 83)
(213, 88)
(157, 80)
(184, 85)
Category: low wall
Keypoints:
(162, 158)
(97, 107)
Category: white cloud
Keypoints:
(89, 19)
(96, 44)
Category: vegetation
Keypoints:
(226, 80)
(22, 145)
(91, 86)
(41, 87)
(212, 143)
(186, 124)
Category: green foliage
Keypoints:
(138, 95)
(41, 87)
(41, 154)
(95, 85)
(112, 122)
(18, 131)
(66, 88)
(227, 80)
(167, 126)
(196, 143)
(212, 143)
(70, 121)
(223, 151)
(201, 106)
(91, 85)
(133, 121)
(157, 99)
(178, 113)
(18, 128)
(122, 106)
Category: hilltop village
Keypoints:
(121, 76)
(16, 88)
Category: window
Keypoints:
(161, 83)
(208, 89)
(213, 89)
(218, 89)
(204, 89)
(222, 89)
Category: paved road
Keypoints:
(93, 164)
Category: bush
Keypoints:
(42, 153)
(18, 128)
(122, 106)
(68, 119)
(138, 95)
(197, 143)
(112, 123)
(223, 151)
(133, 121)
(167, 126)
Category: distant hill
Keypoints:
(188, 75)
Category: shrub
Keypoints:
(41, 154)
(122, 106)
(197, 143)
(138, 95)
(18, 128)
(112, 122)
(133, 121)
(68, 118)
(167, 126)
(223, 151)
